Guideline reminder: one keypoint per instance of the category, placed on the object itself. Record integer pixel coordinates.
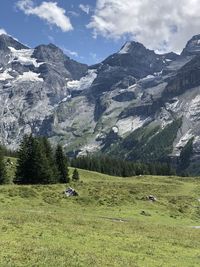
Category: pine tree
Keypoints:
(33, 166)
(51, 159)
(75, 175)
(41, 171)
(3, 178)
(62, 165)
(22, 171)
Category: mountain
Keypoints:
(135, 104)
(32, 84)
(192, 47)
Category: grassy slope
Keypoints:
(40, 227)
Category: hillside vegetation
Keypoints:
(110, 223)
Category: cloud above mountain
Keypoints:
(85, 8)
(159, 24)
(47, 11)
(2, 31)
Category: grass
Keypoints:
(110, 224)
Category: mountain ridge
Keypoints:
(132, 96)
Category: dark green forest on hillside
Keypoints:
(148, 144)
(117, 167)
(40, 163)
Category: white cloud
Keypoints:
(73, 13)
(158, 24)
(48, 11)
(2, 31)
(70, 52)
(85, 8)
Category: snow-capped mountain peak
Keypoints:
(125, 48)
(131, 98)
(8, 41)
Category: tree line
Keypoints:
(118, 167)
(38, 163)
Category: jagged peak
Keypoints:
(130, 46)
(192, 46)
(195, 37)
(48, 52)
(49, 46)
(170, 56)
(9, 41)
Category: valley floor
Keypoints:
(110, 224)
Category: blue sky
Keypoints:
(78, 43)
(90, 30)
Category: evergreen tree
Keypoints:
(62, 165)
(3, 178)
(118, 167)
(33, 166)
(51, 159)
(22, 171)
(75, 175)
(41, 171)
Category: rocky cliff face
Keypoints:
(135, 100)
(33, 82)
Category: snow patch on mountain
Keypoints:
(125, 48)
(29, 77)
(148, 77)
(24, 56)
(168, 60)
(84, 83)
(5, 75)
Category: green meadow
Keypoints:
(110, 223)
